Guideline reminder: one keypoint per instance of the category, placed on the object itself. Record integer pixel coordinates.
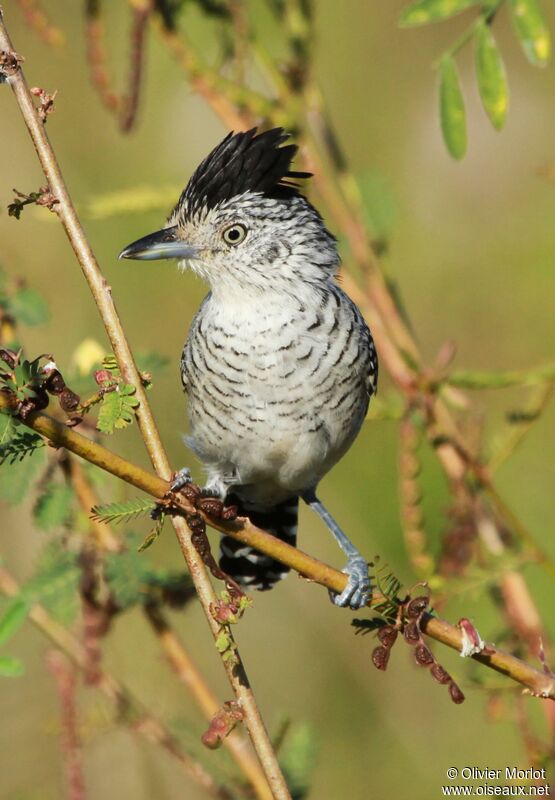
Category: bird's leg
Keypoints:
(357, 591)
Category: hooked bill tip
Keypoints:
(159, 245)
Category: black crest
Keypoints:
(243, 162)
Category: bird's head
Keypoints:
(241, 222)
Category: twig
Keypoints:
(178, 657)
(130, 710)
(130, 104)
(71, 746)
(244, 531)
(103, 299)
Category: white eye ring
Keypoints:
(235, 234)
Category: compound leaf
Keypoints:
(123, 512)
(16, 477)
(117, 409)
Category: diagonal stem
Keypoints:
(538, 683)
(103, 298)
(178, 657)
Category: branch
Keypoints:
(538, 683)
(178, 657)
(103, 298)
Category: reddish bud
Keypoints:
(102, 376)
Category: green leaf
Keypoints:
(20, 445)
(13, 619)
(117, 409)
(28, 307)
(53, 507)
(16, 478)
(531, 30)
(422, 12)
(11, 667)
(451, 108)
(298, 759)
(8, 428)
(223, 642)
(491, 75)
(120, 512)
(152, 535)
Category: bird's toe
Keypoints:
(181, 479)
(357, 592)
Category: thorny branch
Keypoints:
(537, 682)
(179, 659)
(102, 295)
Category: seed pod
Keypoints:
(411, 633)
(54, 383)
(423, 656)
(229, 513)
(441, 675)
(69, 400)
(387, 635)
(456, 695)
(211, 506)
(416, 607)
(380, 657)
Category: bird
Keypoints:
(279, 364)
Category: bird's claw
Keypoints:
(357, 592)
(181, 479)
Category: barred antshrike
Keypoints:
(279, 365)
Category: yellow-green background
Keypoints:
(473, 251)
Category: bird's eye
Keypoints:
(235, 234)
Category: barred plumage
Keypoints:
(279, 365)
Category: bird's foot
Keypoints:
(357, 592)
(181, 479)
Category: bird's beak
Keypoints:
(162, 244)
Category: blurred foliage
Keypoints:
(491, 77)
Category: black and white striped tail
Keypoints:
(248, 566)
